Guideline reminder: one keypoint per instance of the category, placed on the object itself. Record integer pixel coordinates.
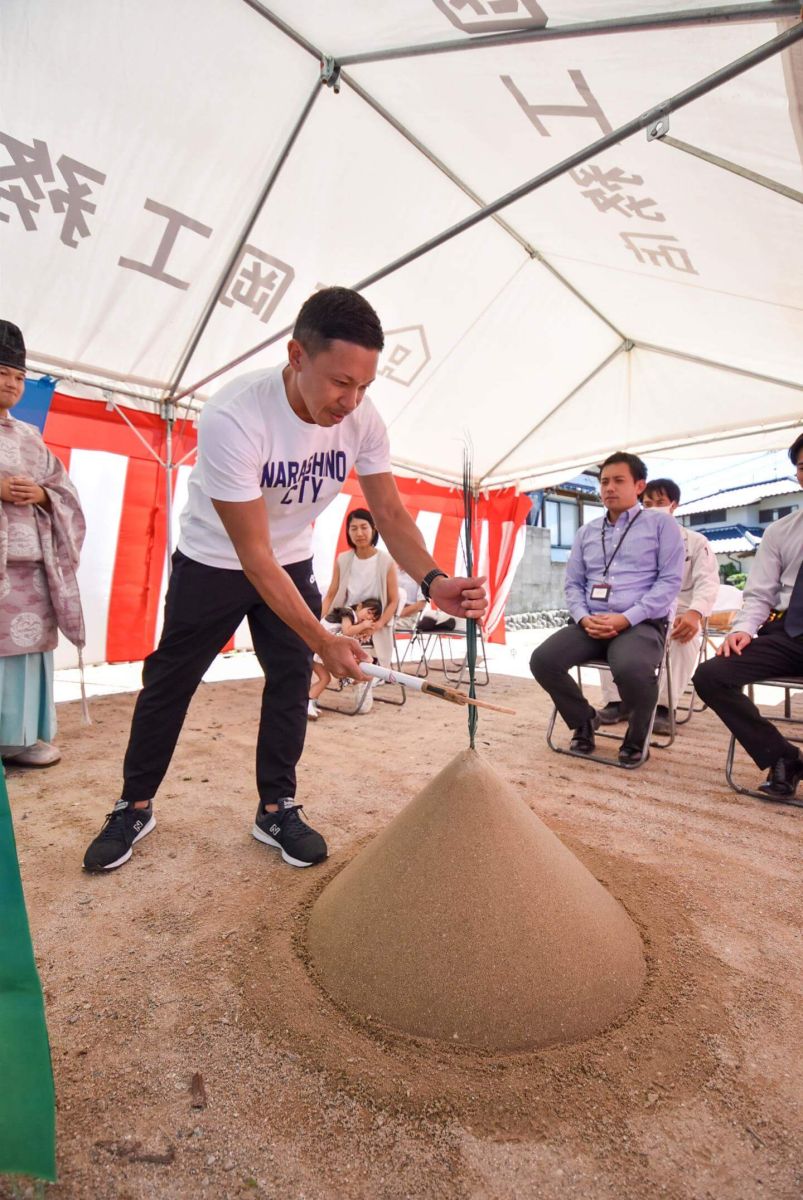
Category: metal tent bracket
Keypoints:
(330, 73)
(659, 128)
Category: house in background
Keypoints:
(562, 509)
(735, 518)
(556, 515)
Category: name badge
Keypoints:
(600, 591)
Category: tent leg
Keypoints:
(169, 415)
(644, 121)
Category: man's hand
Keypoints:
(605, 625)
(460, 597)
(19, 489)
(734, 644)
(686, 626)
(342, 657)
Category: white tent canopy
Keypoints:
(175, 179)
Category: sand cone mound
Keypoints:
(467, 920)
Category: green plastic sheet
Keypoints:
(27, 1099)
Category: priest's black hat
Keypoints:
(12, 346)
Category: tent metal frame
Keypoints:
(550, 33)
(662, 447)
(332, 70)
(597, 370)
(736, 168)
(526, 245)
(654, 119)
(654, 349)
(241, 240)
(168, 405)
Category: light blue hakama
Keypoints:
(27, 710)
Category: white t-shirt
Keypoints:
(252, 444)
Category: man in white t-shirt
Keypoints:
(274, 448)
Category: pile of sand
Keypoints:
(467, 920)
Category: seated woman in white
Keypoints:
(365, 571)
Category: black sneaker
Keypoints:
(300, 845)
(124, 826)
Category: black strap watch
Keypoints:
(429, 579)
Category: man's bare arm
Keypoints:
(247, 525)
(462, 597)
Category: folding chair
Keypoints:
(717, 625)
(602, 665)
(788, 685)
(455, 670)
(692, 708)
(361, 691)
(410, 640)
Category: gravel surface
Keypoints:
(195, 1055)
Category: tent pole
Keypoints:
(719, 366)
(100, 377)
(780, 427)
(101, 385)
(251, 220)
(624, 345)
(528, 249)
(288, 30)
(753, 176)
(169, 416)
(652, 116)
(133, 428)
(564, 468)
(544, 33)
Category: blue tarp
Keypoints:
(35, 403)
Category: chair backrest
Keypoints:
(727, 604)
(729, 598)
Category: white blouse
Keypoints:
(364, 580)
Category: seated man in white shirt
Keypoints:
(414, 612)
(411, 601)
(698, 593)
(766, 643)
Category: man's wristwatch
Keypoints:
(429, 579)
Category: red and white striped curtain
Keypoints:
(123, 490)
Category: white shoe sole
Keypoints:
(19, 760)
(125, 857)
(265, 838)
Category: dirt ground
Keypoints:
(190, 962)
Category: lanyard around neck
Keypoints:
(607, 561)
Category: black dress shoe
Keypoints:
(662, 724)
(783, 778)
(583, 737)
(612, 713)
(630, 753)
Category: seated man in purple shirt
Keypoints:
(622, 582)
